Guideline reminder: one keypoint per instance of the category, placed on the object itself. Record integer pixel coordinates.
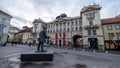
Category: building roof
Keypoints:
(5, 13)
(90, 8)
(65, 19)
(26, 30)
(38, 21)
(110, 20)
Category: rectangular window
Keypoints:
(60, 30)
(111, 35)
(90, 23)
(80, 22)
(117, 27)
(80, 28)
(68, 29)
(64, 24)
(109, 27)
(64, 29)
(56, 30)
(1, 29)
(60, 24)
(72, 29)
(76, 22)
(72, 23)
(89, 32)
(4, 20)
(90, 15)
(76, 29)
(68, 23)
(94, 32)
(118, 36)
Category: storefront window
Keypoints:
(111, 35)
(118, 36)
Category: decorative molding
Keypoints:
(92, 27)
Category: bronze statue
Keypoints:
(41, 39)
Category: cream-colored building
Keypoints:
(37, 23)
(111, 30)
(12, 31)
(65, 31)
(24, 36)
(84, 30)
(92, 28)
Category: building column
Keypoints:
(56, 38)
(64, 39)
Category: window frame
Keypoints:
(110, 36)
(1, 29)
(118, 36)
(94, 32)
(117, 27)
(89, 32)
(109, 27)
(90, 23)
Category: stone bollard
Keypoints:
(106, 52)
(83, 50)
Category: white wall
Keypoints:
(96, 20)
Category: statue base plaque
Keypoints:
(37, 56)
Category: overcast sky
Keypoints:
(25, 11)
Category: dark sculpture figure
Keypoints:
(41, 39)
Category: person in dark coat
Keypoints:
(41, 39)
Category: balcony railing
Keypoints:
(91, 27)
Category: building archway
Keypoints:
(77, 41)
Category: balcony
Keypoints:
(91, 27)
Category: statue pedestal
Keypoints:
(37, 56)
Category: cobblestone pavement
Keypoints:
(64, 58)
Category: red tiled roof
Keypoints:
(110, 20)
(5, 13)
(26, 30)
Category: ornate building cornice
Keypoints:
(90, 8)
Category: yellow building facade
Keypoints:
(111, 30)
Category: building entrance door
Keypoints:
(60, 42)
(93, 43)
